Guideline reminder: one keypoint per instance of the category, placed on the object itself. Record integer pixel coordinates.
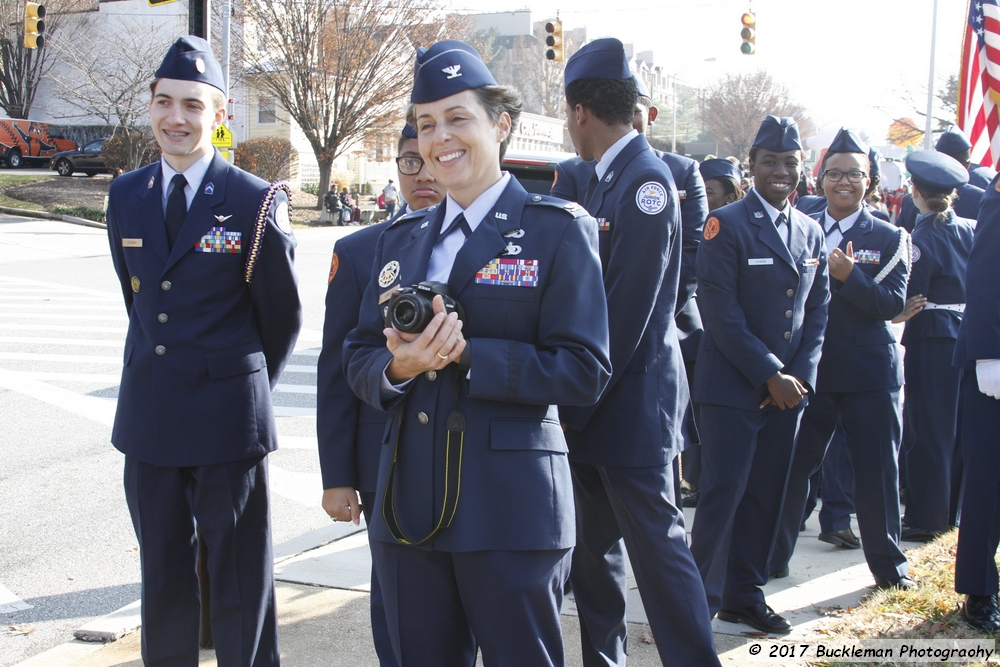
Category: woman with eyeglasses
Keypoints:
(474, 520)
(860, 374)
(942, 242)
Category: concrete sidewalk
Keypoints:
(323, 580)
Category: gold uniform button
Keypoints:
(788, 335)
(165, 285)
(162, 318)
(790, 292)
(422, 417)
(788, 314)
(431, 375)
(160, 350)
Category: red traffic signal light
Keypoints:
(554, 40)
(748, 34)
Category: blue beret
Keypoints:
(190, 58)
(600, 59)
(778, 135)
(874, 157)
(641, 86)
(718, 168)
(447, 68)
(409, 131)
(847, 142)
(936, 170)
(952, 141)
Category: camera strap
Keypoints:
(452, 478)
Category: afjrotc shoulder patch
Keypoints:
(334, 264)
(711, 228)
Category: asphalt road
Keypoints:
(67, 550)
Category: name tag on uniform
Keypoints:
(867, 256)
(509, 272)
(131, 243)
(812, 261)
(761, 261)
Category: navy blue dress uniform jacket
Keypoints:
(764, 304)
(349, 430)
(814, 204)
(532, 348)
(645, 408)
(967, 204)
(940, 253)
(979, 335)
(859, 348)
(980, 176)
(204, 349)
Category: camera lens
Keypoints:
(405, 315)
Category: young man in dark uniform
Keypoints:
(350, 431)
(860, 372)
(622, 448)
(204, 254)
(763, 294)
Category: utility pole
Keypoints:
(930, 81)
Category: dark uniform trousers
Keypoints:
(837, 486)
(494, 578)
(212, 322)
(858, 381)
(764, 304)
(622, 449)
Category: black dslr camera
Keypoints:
(410, 309)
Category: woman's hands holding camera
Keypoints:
(440, 344)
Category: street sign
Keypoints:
(222, 137)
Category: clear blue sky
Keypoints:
(849, 62)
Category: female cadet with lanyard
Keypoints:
(474, 519)
(860, 371)
(941, 246)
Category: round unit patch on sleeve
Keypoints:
(916, 253)
(281, 218)
(388, 274)
(651, 198)
(711, 228)
(334, 264)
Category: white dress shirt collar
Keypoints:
(609, 155)
(194, 175)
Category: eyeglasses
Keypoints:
(836, 175)
(409, 165)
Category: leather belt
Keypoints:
(954, 307)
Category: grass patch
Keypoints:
(85, 212)
(8, 180)
(933, 610)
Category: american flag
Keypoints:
(979, 84)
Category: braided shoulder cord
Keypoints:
(260, 225)
(904, 253)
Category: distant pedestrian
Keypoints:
(389, 195)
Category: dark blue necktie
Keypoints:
(458, 223)
(176, 208)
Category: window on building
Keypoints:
(267, 111)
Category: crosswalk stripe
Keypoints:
(8, 280)
(62, 327)
(293, 368)
(53, 316)
(70, 358)
(281, 411)
(10, 603)
(101, 410)
(302, 487)
(295, 388)
(59, 298)
(297, 442)
(87, 342)
(68, 377)
(60, 306)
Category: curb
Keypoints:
(113, 626)
(45, 215)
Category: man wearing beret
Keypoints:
(622, 448)
(204, 253)
(763, 294)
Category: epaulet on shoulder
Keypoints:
(415, 215)
(570, 207)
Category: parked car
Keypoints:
(534, 170)
(30, 142)
(88, 160)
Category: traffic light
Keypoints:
(34, 26)
(749, 34)
(554, 40)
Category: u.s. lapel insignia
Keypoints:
(152, 179)
(758, 214)
(515, 234)
(388, 274)
(426, 222)
(210, 188)
(222, 218)
(607, 179)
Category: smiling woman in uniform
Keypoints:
(474, 519)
